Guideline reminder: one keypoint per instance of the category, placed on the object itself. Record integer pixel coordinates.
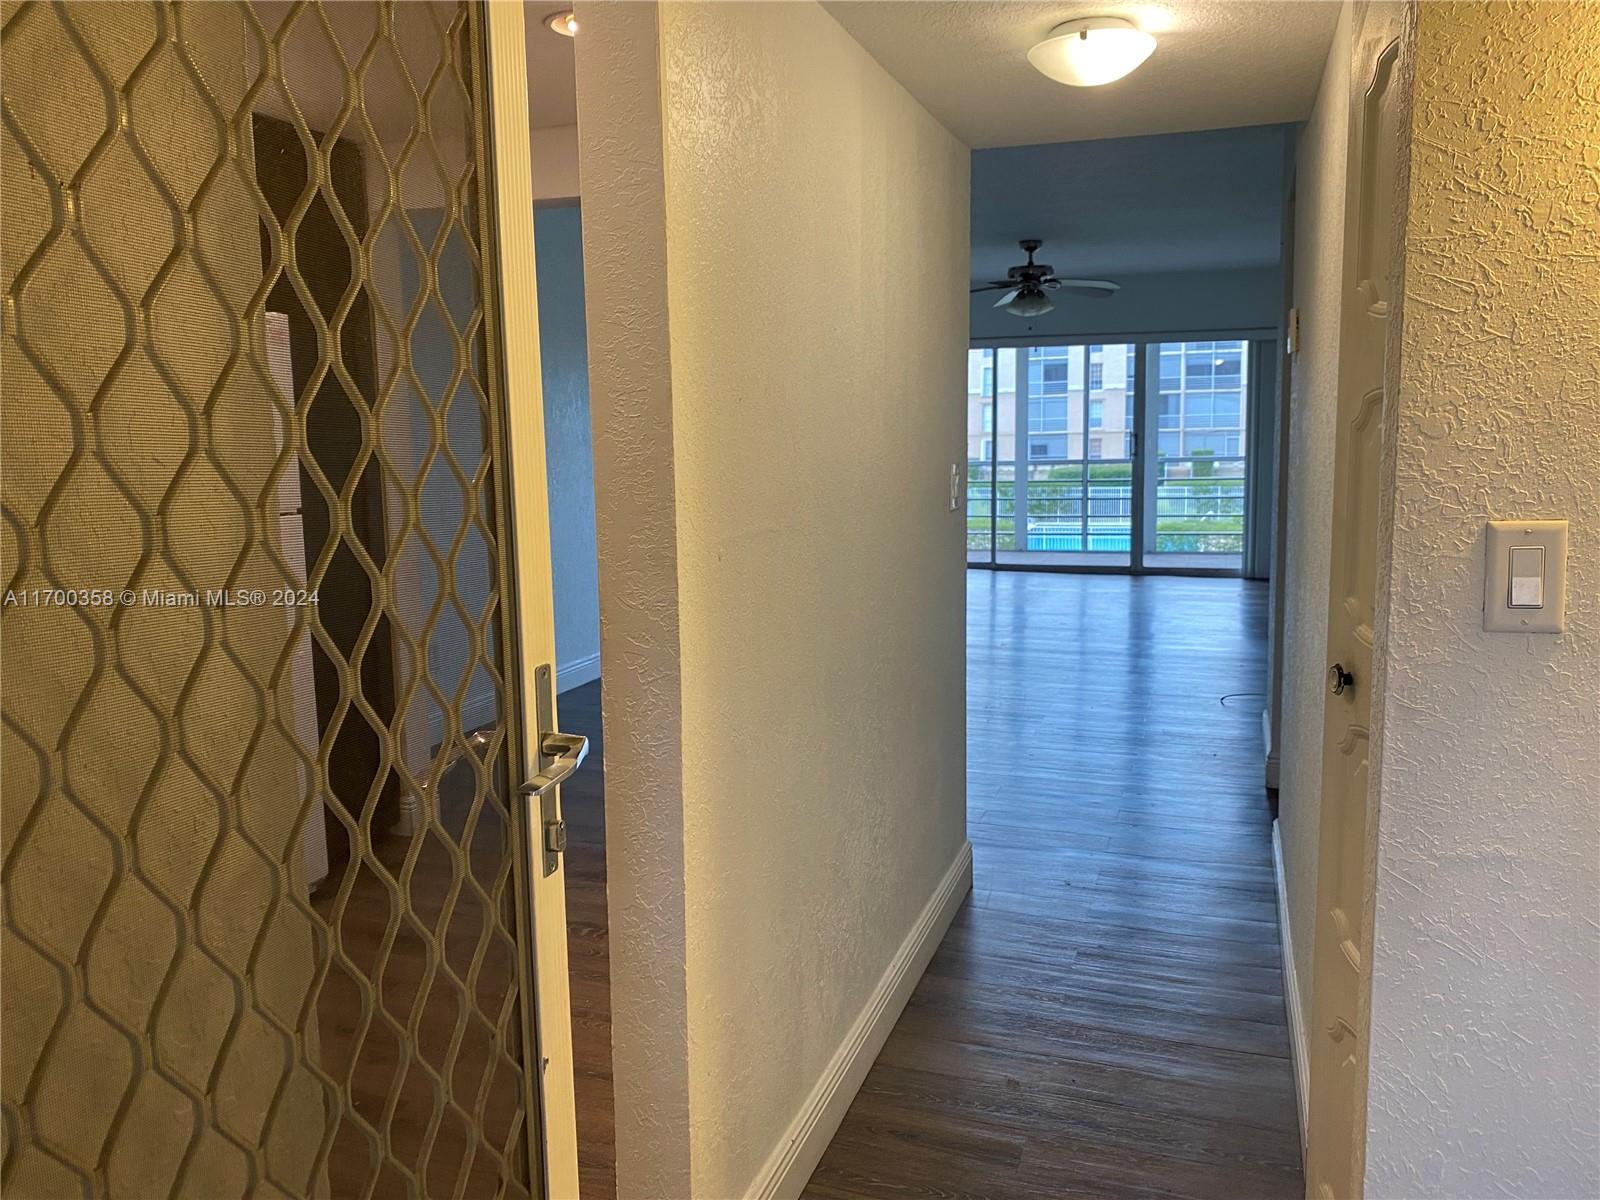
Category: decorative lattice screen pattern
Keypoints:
(261, 895)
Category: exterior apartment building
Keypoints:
(1080, 402)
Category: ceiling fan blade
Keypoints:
(995, 285)
(1007, 298)
(1098, 289)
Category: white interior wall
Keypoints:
(554, 152)
(776, 253)
(631, 411)
(1485, 1064)
(1276, 501)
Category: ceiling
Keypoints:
(1217, 64)
(552, 87)
(1133, 206)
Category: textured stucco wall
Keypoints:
(1313, 382)
(817, 251)
(1485, 1064)
(796, 601)
(569, 453)
(631, 409)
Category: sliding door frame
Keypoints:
(1262, 343)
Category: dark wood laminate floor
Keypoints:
(1105, 1016)
(588, 950)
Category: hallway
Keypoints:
(1105, 1016)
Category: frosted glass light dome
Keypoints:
(1092, 51)
(1030, 302)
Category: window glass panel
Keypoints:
(980, 401)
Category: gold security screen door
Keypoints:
(277, 607)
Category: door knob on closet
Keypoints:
(1340, 680)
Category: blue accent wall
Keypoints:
(569, 456)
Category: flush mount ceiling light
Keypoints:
(563, 22)
(1092, 51)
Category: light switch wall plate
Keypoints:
(1525, 577)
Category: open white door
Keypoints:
(1336, 1121)
(535, 613)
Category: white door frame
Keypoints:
(1337, 1039)
(553, 1131)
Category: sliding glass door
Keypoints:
(1119, 456)
(991, 437)
(1195, 492)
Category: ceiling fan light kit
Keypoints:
(1028, 285)
(1029, 302)
(1092, 51)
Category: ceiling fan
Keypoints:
(1027, 285)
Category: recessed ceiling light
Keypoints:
(563, 22)
(1092, 51)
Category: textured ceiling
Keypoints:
(1217, 64)
(1146, 205)
(552, 87)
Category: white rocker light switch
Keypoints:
(1525, 576)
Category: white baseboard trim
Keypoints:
(1266, 747)
(789, 1167)
(1291, 991)
(577, 672)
